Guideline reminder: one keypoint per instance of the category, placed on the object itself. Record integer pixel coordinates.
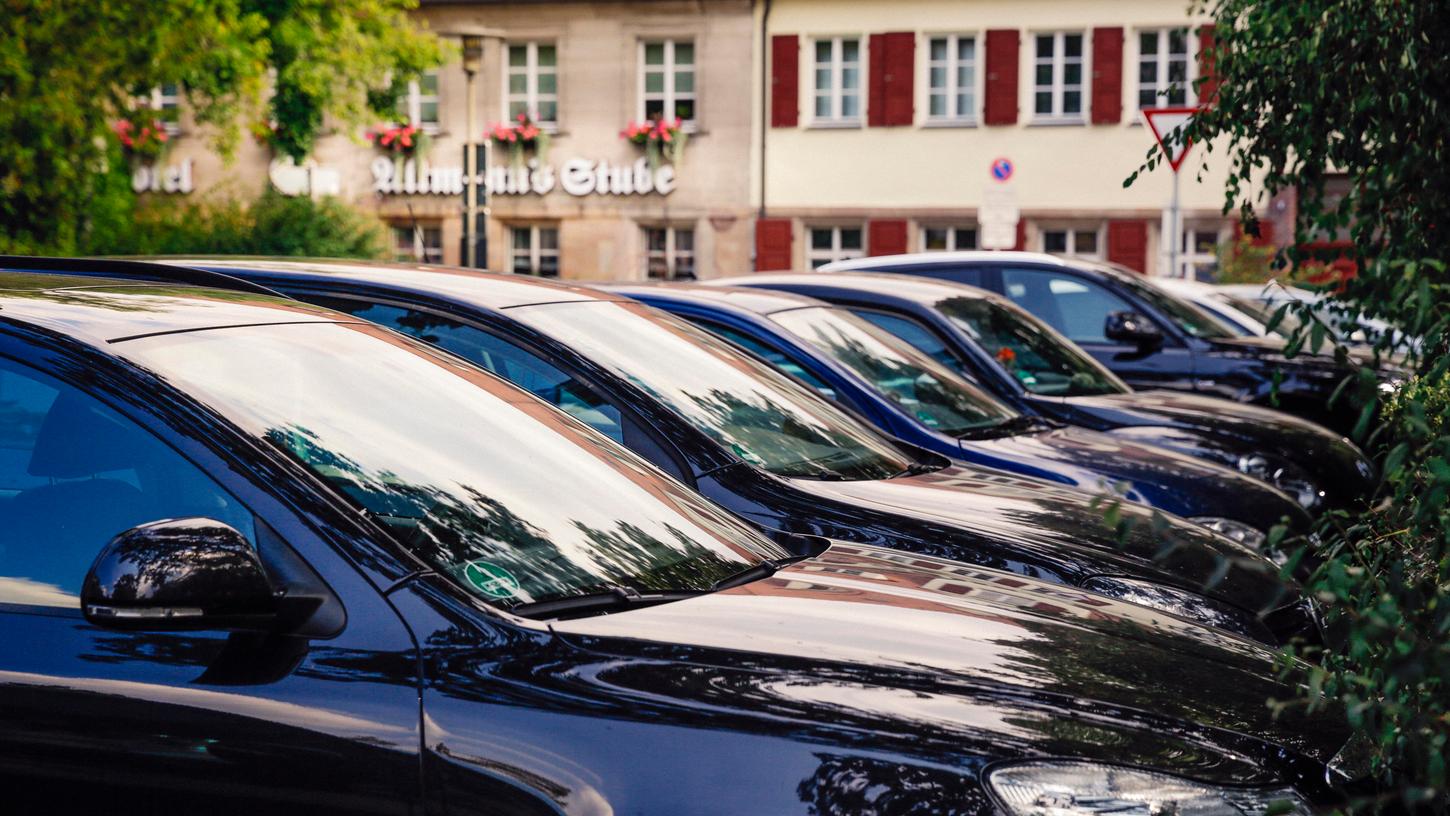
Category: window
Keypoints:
(511, 362)
(948, 239)
(1163, 67)
(838, 80)
(669, 253)
(535, 251)
(73, 474)
(418, 244)
(770, 354)
(667, 73)
(952, 78)
(1198, 255)
(1075, 307)
(418, 105)
(830, 244)
(1057, 84)
(165, 101)
(1075, 242)
(533, 82)
(920, 337)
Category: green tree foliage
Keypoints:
(1310, 89)
(69, 70)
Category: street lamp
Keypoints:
(475, 241)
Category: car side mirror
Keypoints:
(179, 575)
(1131, 327)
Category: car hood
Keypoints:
(1061, 525)
(1225, 430)
(1272, 349)
(1161, 478)
(957, 654)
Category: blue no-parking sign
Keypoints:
(1002, 169)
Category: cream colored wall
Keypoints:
(1062, 171)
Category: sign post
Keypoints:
(1165, 124)
(999, 214)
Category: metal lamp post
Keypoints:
(475, 159)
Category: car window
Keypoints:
(771, 355)
(520, 367)
(923, 339)
(73, 474)
(1076, 307)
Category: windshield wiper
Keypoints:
(764, 569)
(1021, 423)
(616, 597)
(918, 468)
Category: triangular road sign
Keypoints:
(1163, 122)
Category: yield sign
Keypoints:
(1164, 122)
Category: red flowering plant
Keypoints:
(659, 138)
(399, 140)
(518, 136)
(142, 139)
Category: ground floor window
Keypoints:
(936, 238)
(1198, 254)
(1080, 242)
(534, 250)
(830, 244)
(417, 243)
(669, 253)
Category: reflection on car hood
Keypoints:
(895, 636)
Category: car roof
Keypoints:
(908, 288)
(493, 290)
(100, 310)
(975, 257)
(729, 298)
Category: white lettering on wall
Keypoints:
(172, 178)
(578, 177)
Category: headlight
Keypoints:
(1182, 603)
(1088, 789)
(1236, 531)
(1286, 477)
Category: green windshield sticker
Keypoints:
(490, 579)
(745, 454)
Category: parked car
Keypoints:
(259, 557)
(1146, 336)
(1263, 301)
(907, 394)
(1028, 365)
(1244, 322)
(779, 455)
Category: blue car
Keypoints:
(917, 399)
(1025, 363)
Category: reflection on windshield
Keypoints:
(1288, 326)
(1190, 319)
(512, 499)
(1042, 360)
(765, 417)
(923, 388)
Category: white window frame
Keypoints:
(951, 231)
(1188, 258)
(1160, 61)
(1059, 61)
(531, 70)
(158, 100)
(669, 96)
(953, 89)
(837, 93)
(413, 101)
(835, 252)
(671, 254)
(421, 252)
(1070, 242)
(535, 253)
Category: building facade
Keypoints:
(921, 125)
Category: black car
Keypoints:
(245, 568)
(1146, 336)
(779, 455)
(1027, 364)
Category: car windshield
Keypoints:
(1042, 360)
(937, 397)
(765, 417)
(511, 498)
(1263, 311)
(1189, 319)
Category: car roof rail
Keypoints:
(121, 269)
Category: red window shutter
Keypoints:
(886, 237)
(1207, 70)
(1021, 244)
(1000, 105)
(1107, 97)
(1128, 244)
(772, 244)
(890, 88)
(785, 55)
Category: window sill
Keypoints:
(834, 124)
(949, 123)
(1058, 122)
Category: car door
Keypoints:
(170, 722)
(1079, 307)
